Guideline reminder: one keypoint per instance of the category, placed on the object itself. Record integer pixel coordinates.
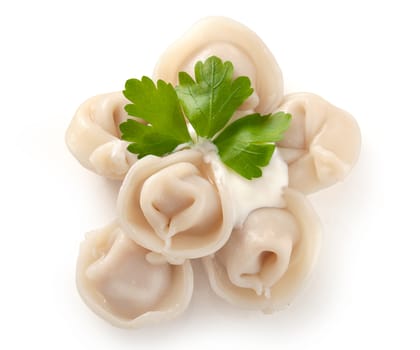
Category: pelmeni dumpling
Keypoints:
(268, 260)
(126, 284)
(93, 136)
(175, 206)
(229, 40)
(321, 145)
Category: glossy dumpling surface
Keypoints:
(93, 136)
(321, 145)
(173, 205)
(125, 284)
(267, 262)
(231, 41)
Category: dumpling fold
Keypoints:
(267, 261)
(230, 41)
(321, 145)
(94, 138)
(175, 206)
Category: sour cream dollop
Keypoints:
(248, 195)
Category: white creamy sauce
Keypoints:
(248, 195)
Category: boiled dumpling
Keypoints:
(126, 284)
(93, 136)
(173, 205)
(321, 145)
(229, 40)
(267, 261)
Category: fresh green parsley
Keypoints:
(211, 100)
(159, 107)
(247, 144)
(208, 102)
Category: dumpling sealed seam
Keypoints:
(125, 284)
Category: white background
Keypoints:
(361, 56)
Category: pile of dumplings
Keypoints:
(136, 270)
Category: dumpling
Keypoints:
(93, 136)
(267, 261)
(175, 206)
(126, 284)
(231, 41)
(321, 145)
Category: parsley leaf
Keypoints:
(247, 144)
(210, 101)
(159, 106)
